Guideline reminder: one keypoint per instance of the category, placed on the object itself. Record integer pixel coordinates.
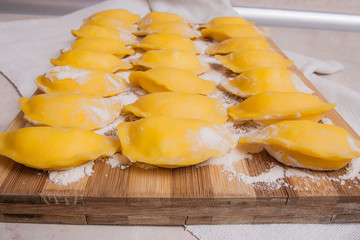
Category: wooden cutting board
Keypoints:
(190, 195)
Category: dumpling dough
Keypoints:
(261, 80)
(120, 14)
(228, 31)
(250, 59)
(51, 148)
(104, 45)
(65, 79)
(179, 105)
(165, 79)
(307, 144)
(271, 107)
(70, 110)
(179, 28)
(156, 17)
(92, 31)
(91, 59)
(172, 142)
(170, 58)
(219, 21)
(110, 23)
(237, 45)
(166, 41)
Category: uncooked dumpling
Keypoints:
(271, 107)
(261, 80)
(179, 28)
(172, 142)
(229, 31)
(237, 45)
(170, 58)
(166, 41)
(307, 144)
(121, 14)
(53, 148)
(91, 59)
(171, 80)
(157, 17)
(70, 110)
(179, 105)
(65, 79)
(110, 23)
(250, 59)
(219, 21)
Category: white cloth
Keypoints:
(28, 45)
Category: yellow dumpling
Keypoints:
(107, 22)
(91, 59)
(228, 31)
(156, 17)
(271, 107)
(166, 41)
(171, 80)
(250, 59)
(179, 28)
(307, 144)
(170, 58)
(65, 79)
(237, 45)
(172, 142)
(70, 110)
(51, 148)
(92, 31)
(120, 14)
(261, 80)
(219, 21)
(179, 105)
(105, 45)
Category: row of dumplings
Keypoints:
(180, 126)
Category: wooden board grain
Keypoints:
(191, 195)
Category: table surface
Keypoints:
(324, 45)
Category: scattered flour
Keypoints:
(118, 160)
(202, 45)
(64, 177)
(65, 72)
(326, 121)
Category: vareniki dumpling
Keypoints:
(261, 80)
(157, 17)
(271, 107)
(250, 59)
(170, 58)
(237, 45)
(52, 148)
(307, 144)
(70, 110)
(121, 14)
(179, 28)
(91, 59)
(65, 79)
(166, 79)
(229, 31)
(179, 105)
(166, 41)
(172, 142)
(219, 21)
(110, 23)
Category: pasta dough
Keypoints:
(179, 28)
(237, 45)
(107, 22)
(229, 31)
(121, 14)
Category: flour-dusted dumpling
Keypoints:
(307, 144)
(172, 142)
(229, 31)
(261, 80)
(250, 59)
(110, 23)
(179, 105)
(157, 17)
(121, 14)
(179, 28)
(70, 110)
(171, 80)
(166, 41)
(271, 107)
(91, 59)
(219, 21)
(104, 45)
(65, 79)
(238, 44)
(170, 58)
(92, 31)
(52, 148)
